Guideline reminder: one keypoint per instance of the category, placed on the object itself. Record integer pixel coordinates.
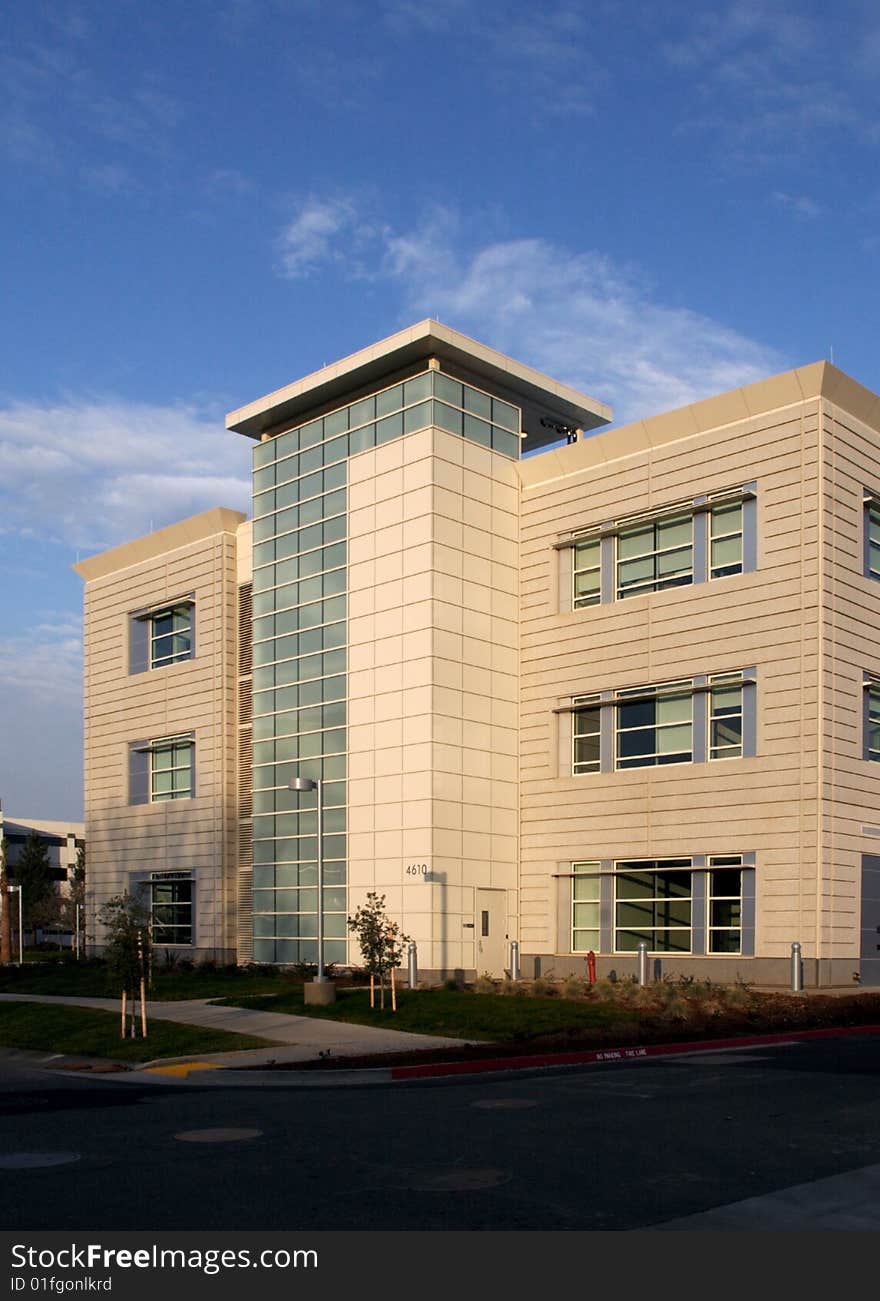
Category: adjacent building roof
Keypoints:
(220, 519)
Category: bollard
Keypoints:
(797, 969)
(643, 962)
(412, 963)
(514, 959)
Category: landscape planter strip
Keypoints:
(633, 1053)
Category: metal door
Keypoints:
(870, 946)
(491, 933)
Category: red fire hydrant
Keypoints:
(591, 967)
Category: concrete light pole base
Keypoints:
(319, 991)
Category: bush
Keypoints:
(485, 984)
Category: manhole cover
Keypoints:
(35, 1160)
(456, 1181)
(217, 1135)
(505, 1104)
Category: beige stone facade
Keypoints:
(194, 838)
(471, 798)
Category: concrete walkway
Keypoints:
(293, 1038)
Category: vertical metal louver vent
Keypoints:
(245, 926)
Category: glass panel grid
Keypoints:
(171, 769)
(872, 705)
(726, 539)
(724, 904)
(653, 902)
(654, 726)
(873, 539)
(171, 908)
(587, 573)
(585, 907)
(170, 635)
(654, 555)
(725, 700)
(586, 735)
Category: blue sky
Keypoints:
(202, 202)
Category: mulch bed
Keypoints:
(764, 1014)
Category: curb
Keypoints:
(601, 1055)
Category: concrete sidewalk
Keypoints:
(293, 1038)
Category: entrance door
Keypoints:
(870, 947)
(491, 933)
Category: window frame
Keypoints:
(871, 507)
(607, 705)
(705, 514)
(143, 638)
(143, 769)
(669, 692)
(718, 683)
(656, 867)
(656, 553)
(173, 879)
(870, 691)
(717, 863)
(596, 882)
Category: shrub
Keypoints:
(484, 984)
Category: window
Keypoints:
(726, 540)
(585, 907)
(872, 537)
(171, 907)
(724, 903)
(587, 571)
(872, 719)
(695, 720)
(654, 726)
(706, 539)
(695, 904)
(586, 735)
(163, 769)
(161, 637)
(653, 902)
(655, 555)
(725, 696)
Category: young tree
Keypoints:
(74, 904)
(381, 941)
(33, 872)
(127, 942)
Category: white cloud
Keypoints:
(800, 204)
(576, 315)
(93, 474)
(771, 79)
(322, 230)
(46, 662)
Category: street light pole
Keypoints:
(325, 991)
(16, 889)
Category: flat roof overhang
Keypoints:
(537, 394)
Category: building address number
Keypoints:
(417, 869)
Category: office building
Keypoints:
(570, 686)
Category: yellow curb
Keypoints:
(182, 1068)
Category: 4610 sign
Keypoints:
(419, 871)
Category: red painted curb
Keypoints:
(619, 1054)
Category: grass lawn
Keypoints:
(90, 979)
(85, 1032)
(455, 1013)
